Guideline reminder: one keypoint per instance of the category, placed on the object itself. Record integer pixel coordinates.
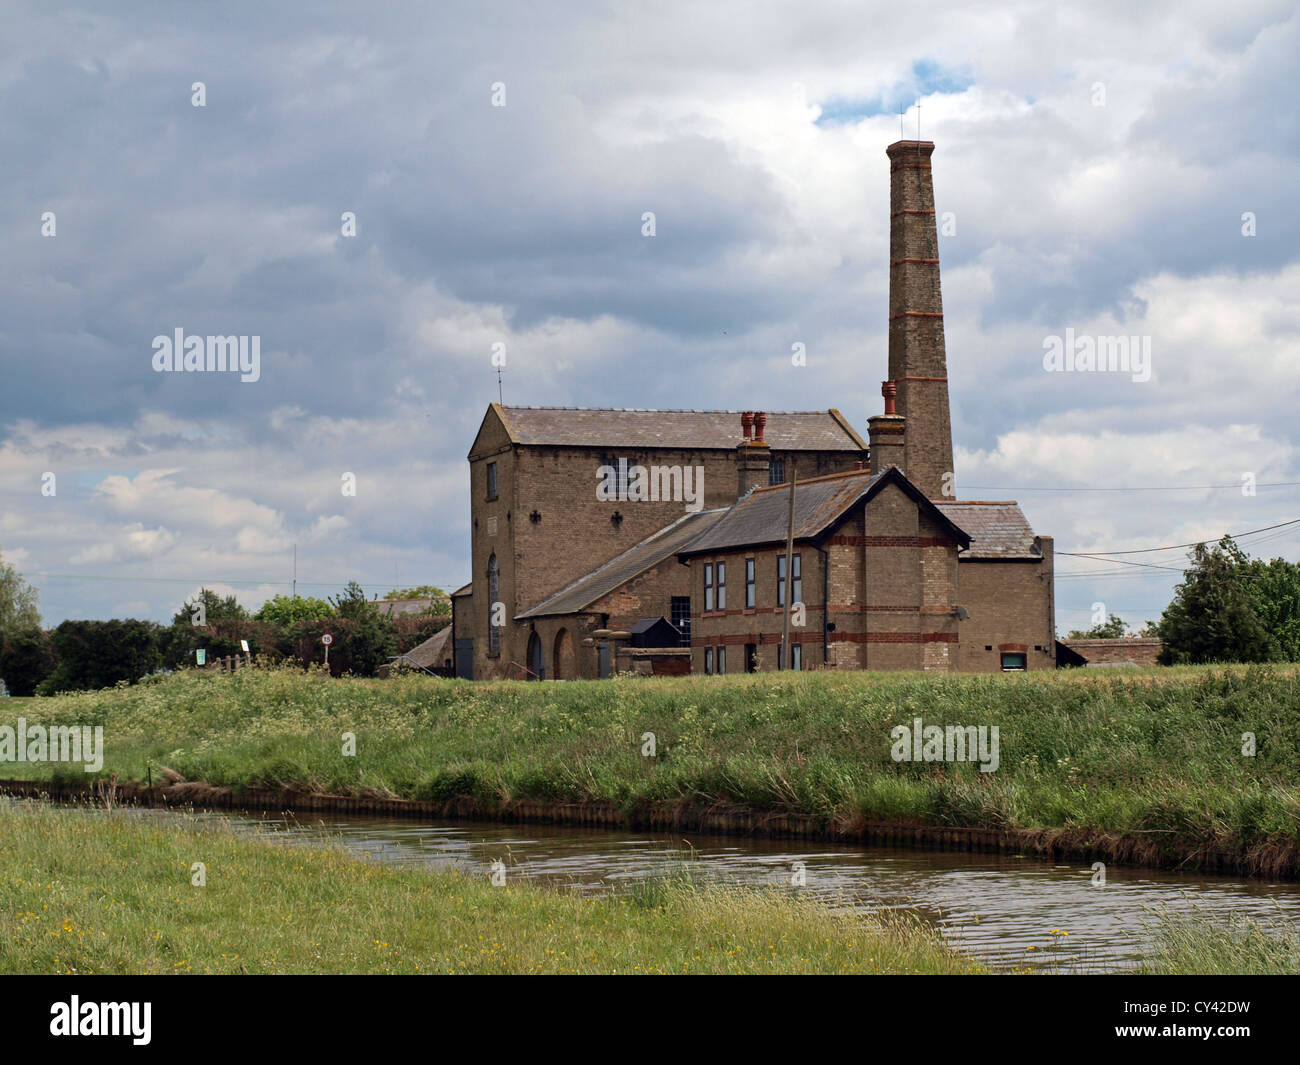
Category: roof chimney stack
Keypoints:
(753, 456)
(918, 363)
(886, 434)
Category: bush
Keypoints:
(26, 658)
(99, 654)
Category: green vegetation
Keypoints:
(18, 601)
(1193, 945)
(113, 893)
(1153, 759)
(1233, 608)
(88, 655)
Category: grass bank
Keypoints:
(1193, 944)
(1142, 766)
(113, 893)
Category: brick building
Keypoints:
(588, 526)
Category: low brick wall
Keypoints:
(1140, 650)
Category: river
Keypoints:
(1009, 912)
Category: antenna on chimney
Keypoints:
(499, 398)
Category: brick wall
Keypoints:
(1011, 610)
(1142, 651)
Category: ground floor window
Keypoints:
(796, 656)
(722, 660)
(1013, 662)
(708, 660)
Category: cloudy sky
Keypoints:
(1096, 160)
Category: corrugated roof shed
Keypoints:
(997, 530)
(631, 563)
(824, 430)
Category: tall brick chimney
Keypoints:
(753, 456)
(886, 434)
(918, 363)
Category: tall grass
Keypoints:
(1154, 755)
(113, 892)
(1196, 945)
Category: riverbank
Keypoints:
(1138, 767)
(116, 894)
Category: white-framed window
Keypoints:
(708, 586)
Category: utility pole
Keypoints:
(295, 571)
(789, 576)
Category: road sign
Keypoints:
(327, 639)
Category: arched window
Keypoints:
(494, 595)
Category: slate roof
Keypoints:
(432, 652)
(762, 516)
(822, 430)
(621, 569)
(997, 530)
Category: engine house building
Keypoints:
(657, 541)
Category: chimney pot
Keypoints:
(760, 424)
(746, 423)
(889, 390)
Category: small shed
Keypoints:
(655, 632)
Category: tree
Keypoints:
(206, 607)
(288, 610)
(98, 654)
(1215, 613)
(1274, 588)
(441, 605)
(423, 591)
(1114, 627)
(209, 621)
(371, 641)
(18, 608)
(26, 658)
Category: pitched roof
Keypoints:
(821, 430)
(432, 652)
(762, 516)
(997, 530)
(621, 569)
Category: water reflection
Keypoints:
(1010, 912)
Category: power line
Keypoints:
(1175, 547)
(204, 581)
(1136, 488)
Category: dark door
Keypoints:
(536, 660)
(603, 656)
(751, 657)
(465, 659)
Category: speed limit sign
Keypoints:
(327, 639)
